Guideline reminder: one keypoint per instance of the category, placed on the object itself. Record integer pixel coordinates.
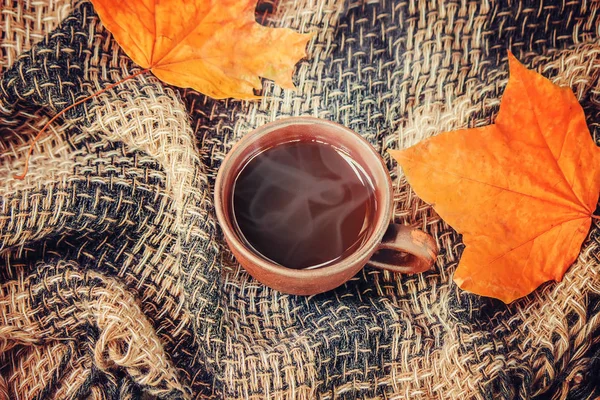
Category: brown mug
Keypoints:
(389, 246)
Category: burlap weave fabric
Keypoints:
(115, 282)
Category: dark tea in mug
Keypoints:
(303, 204)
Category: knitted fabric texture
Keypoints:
(116, 283)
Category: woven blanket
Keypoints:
(116, 283)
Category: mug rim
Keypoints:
(363, 252)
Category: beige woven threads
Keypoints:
(26, 22)
(126, 339)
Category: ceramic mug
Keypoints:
(389, 246)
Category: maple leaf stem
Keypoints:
(596, 216)
(62, 112)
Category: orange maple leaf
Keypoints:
(213, 46)
(521, 191)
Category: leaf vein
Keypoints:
(534, 238)
(555, 159)
(490, 184)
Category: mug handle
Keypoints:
(405, 250)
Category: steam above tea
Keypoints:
(303, 204)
